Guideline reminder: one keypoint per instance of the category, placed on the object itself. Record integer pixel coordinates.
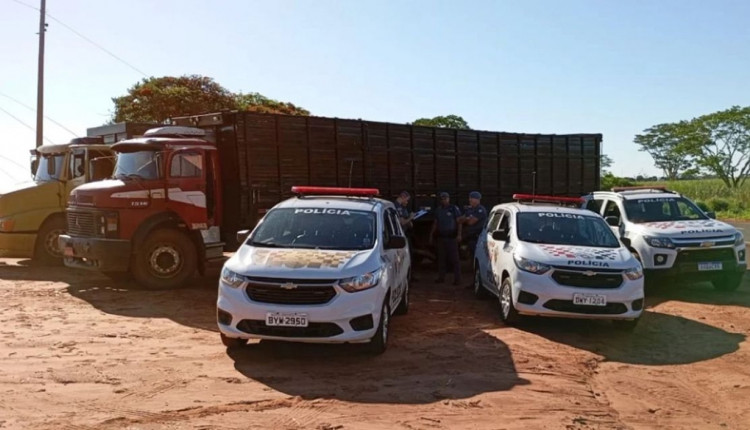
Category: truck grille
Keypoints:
(700, 255)
(290, 293)
(580, 279)
(81, 224)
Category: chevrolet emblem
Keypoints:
(589, 273)
(707, 244)
(288, 286)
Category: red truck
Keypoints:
(180, 193)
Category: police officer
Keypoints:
(447, 229)
(473, 221)
(405, 217)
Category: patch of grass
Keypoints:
(713, 194)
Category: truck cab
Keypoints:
(32, 213)
(157, 217)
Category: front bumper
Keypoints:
(17, 245)
(328, 323)
(682, 263)
(104, 255)
(553, 299)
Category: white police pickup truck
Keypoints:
(542, 258)
(328, 266)
(672, 237)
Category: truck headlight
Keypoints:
(659, 242)
(232, 279)
(634, 273)
(530, 265)
(739, 239)
(6, 225)
(361, 282)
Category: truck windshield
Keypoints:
(43, 171)
(141, 164)
(558, 228)
(316, 228)
(662, 209)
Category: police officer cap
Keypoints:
(405, 194)
(444, 195)
(475, 195)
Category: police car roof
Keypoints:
(522, 207)
(635, 195)
(334, 202)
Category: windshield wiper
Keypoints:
(265, 245)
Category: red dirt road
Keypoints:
(79, 352)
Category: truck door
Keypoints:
(76, 170)
(186, 187)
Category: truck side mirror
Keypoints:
(396, 242)
(711, 215)
(500, 235)
(242, 235)
(34, 166)
(613, 221)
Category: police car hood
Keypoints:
(685, 229)
(302, 263)
(578, 256)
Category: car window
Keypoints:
(185, 165)
(77, 164)
(594, 205)
(392, 226)
(662, 209)
(612, 209)
(494, 221)
(505, 221)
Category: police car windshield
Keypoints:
(662, 209)
(565, 229)
(316, 228)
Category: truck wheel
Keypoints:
(508, 312)
(166, 259)
(46, 249)
(403, 305)
(232, 342)
(479, 291)
(379, 342)
(728, 282)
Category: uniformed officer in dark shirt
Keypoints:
(473, 221)
(447, 229)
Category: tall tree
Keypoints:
(667, 145)
(448, 121)
(156, 99)
(720, 142)
(255, 102)
(605, 164)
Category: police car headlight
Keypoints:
(361, 282)
(232, 279)
(659, 242)
(634, 273)
(739, 239)
(530, 265)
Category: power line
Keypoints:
(34, 110)
(22, 122)
(74, 31)
(2, 157)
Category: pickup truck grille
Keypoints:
(81, 224)
(701, 255)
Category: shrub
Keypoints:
(701, 204)
(718, 204)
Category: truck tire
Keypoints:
(166, 259)
(728, 283)
(46, 250)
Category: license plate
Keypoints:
(590, 299)
(68, 251)
(710, 266)
(286, 320)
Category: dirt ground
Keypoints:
(79, 352)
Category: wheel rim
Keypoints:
(165, 261)
(385, 317)
(477, 281)
(50, 243)
(505, 300)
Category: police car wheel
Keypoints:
(508, 312)
(379, 342)
(479, 291)
(728, 282)
(233, 342)
(403, 305)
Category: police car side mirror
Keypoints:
(711, 215)
(242, 235)
(625, 241)
(613, 221)
(396, 242)
(500, 235)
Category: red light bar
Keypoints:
(336, 191)
(642, 187)
(551, 199)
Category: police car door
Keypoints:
(395, 260)
(502, 252)
(483, 255)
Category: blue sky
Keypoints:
(532, 66)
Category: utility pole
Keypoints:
(40, 76)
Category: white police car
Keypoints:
(542, 259)
(672, 237)
(328, 266)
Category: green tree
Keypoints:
(720, 142)
(605, 164)
(667, 145)
(259, 103)
(156, 99)
(448, 121)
